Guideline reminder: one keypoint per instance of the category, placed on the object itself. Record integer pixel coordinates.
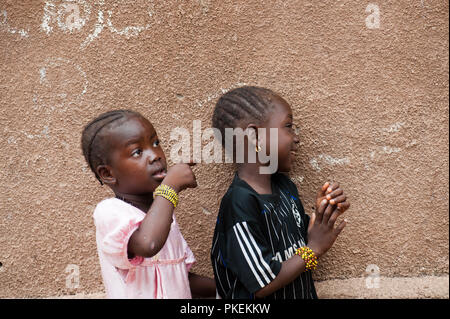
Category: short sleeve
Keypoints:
(248, 249)
(114, 226)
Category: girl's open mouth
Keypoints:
(160, 174)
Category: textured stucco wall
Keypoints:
(371, 101)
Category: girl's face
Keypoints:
(137, 162)
(282, 119)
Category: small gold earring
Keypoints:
(257, 148)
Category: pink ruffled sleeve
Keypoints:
(114, 229)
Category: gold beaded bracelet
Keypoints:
(168, 193)
(308, 256)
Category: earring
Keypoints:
(257, 148)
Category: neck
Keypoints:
(143, 202)
(261, 183)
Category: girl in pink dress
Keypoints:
(141, 249)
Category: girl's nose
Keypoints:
(153, 156)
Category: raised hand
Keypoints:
(334, 194)
(321, 231)
(180, 176)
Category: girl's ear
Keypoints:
(106, 175)
(252, 130)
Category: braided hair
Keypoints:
(242, 106)
(93, 144)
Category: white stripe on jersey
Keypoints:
(246, 236)
(258, 278)
(274, 230)
(270, 236)
(269, 270)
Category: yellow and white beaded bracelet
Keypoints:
(308, 256)
(168, 193)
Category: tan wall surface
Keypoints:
(371, 101)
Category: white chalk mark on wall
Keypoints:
(378, 152)
(97, 29)
(59, 79)
(45, 25)
(327, 159)
(43, 133)
(4, 25)
(389, 150)
(38, 163)
(221, 91)
(42, 72)
(12, 140)
(68, 17)
(128, 31)
(394, 127)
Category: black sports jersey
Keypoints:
(254, 234)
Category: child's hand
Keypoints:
(321, 231)
(334, 194)
(180, 176)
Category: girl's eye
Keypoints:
(136, 153)
(156, 143)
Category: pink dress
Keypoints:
(164, 275)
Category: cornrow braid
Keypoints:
(94, 151)
(241, 106)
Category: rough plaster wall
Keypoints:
(372, 105)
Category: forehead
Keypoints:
(128, 129)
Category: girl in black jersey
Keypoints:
(264, 244)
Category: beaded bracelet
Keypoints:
(168, 193)
(308, 256)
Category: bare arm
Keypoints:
(321, 237)
(290, 269)
(152, 234)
